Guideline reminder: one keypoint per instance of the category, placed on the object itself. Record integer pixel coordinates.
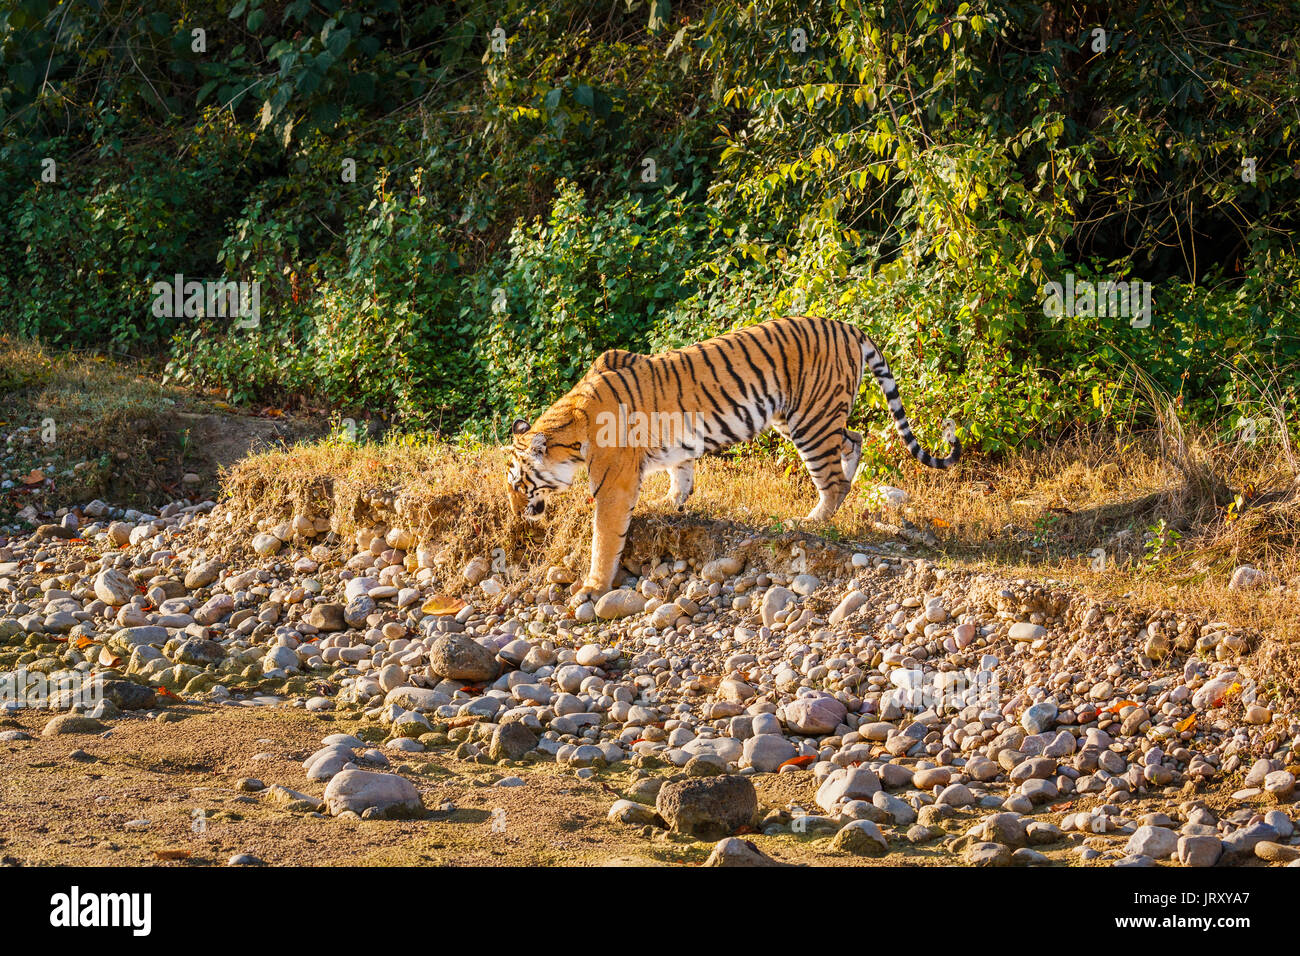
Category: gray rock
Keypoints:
(72, 724)
(988, 854)
(631, 812)
(1272, 852)
(293, 800)
(899, 811)
(766, 752)
(722, 568)
(266, 544)
(104, 710)
(360, 790)
(1240, 844)
(1027, 857)
(775, 600)
(1039, 718)
(708, 807)
(622, 602)
(1024, 631)
(200, 653)
(1039, 791)
(847, 783)
(955, 795)
(511, 741)
(1199, 850)
(736, 852)
(848, 605)
(862, 838)
(814, 716)
(113, 587)
(1280, 822)
(130, 637)
(1006, 828)
(356, 611)
(421, 699)
(326, 617)
(459, 657)
(1155, 842)
(327, 763)
(201, 575)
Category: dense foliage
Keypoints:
(451, 209)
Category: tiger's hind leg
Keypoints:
(681, 482)
(851, 454)
(826, 451)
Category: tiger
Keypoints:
(798, 375)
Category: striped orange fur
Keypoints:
(633, 414)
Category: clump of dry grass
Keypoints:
(455, 496)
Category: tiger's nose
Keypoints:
(536, 508)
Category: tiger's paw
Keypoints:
(583, 595)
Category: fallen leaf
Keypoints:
(441, 604)
(799, 761)
(172, 854)
(34, 477)
(1185, 724)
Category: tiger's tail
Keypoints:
(873, 360)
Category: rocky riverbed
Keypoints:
(1001, 722)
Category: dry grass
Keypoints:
(1169, 520)
(108, 420)
(1041, 513)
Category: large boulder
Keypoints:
(360, 790)
(708, 807)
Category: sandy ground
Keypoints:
(58, 806)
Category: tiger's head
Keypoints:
(542, 462)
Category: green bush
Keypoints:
(584, 281)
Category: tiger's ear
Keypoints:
(519, 427)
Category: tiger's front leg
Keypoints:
(615, 490)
